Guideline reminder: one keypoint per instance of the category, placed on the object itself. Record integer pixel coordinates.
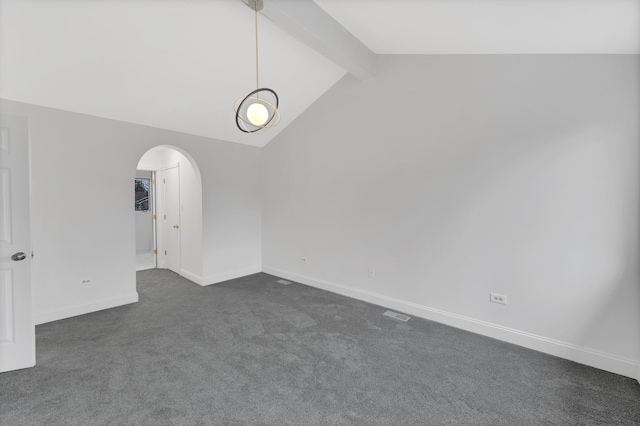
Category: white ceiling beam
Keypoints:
(306, 21)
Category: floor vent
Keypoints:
(283, 282)
(397, 316)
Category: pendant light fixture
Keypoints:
(258, 111)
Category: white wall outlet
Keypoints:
(371, 273)
(303, 259)
(498, 298)
(86, 281)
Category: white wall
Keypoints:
(73, 155)
(452, 176)
(457, 176)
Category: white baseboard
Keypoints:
(192, 277)
(608, 362)
(84, 308)
(230, 275)
(218, 278)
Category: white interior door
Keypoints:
(154, 221)
(172, 219)
(17, 330)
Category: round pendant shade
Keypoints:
(258, 111)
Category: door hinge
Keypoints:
(153, 181)
(165, 252)
(154, 217)
(165, 217)
(155, 252)
(164, 180)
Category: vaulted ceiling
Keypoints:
(181, 64)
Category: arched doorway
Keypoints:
(172, 236)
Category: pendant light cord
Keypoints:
(256, 20)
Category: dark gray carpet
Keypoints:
(252, 351)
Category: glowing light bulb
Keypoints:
(257, 114)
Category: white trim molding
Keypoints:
(198, 279)
(218, 278)
(84, 308)
(230, 275)
(604, 361)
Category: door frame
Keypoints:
(163, 157)
(152, 210)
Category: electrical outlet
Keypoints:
(371, 273)
(86, 281)
(498, 298)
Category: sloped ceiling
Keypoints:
(177, 64)
(181, 64)
(491, 26)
